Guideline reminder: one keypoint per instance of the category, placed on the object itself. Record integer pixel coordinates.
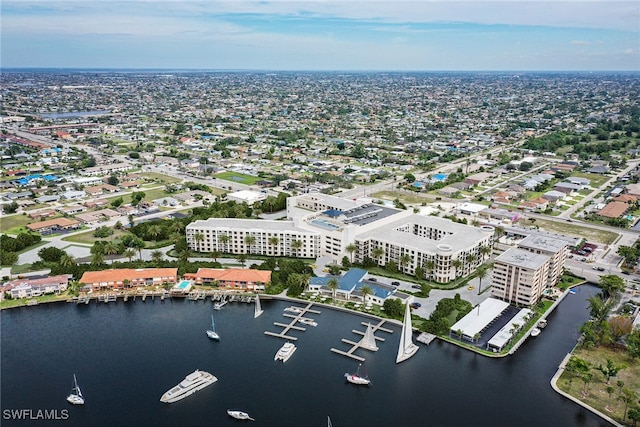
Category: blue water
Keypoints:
(126, 355)
(184, 284)
(440, 177)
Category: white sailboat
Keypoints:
(211, 333)
(407, 348)
(259, 309)
(329, 421)
(359, 378)
(75, 397)
(369, 340)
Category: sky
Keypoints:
(350, 35)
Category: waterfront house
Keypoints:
(128, 277)
(238, 278)
(28, 288)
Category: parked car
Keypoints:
(416, 286)
(415, 305)
(395, 283)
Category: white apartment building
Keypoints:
(556, 249)
(252, 236)
(326, 225)
(520, 276)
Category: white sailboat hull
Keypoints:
(407, 348)
(259, 309)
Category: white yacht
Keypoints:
(75, 397)
(535, 332)
(308, 321)
(239, 415)
(285, 352)
(193, 382)
(211, 333)
(294, 309)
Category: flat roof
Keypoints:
(480, 317)
(502, 337)
(249, 225)
(522, 258)
(544, 243)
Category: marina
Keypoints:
(367, 342)
(301, 311)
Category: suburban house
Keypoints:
(53, 225)
(27, 288)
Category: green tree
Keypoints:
(378, 253)
(333, 284)
(627, 397)
(482, 272)
(157, 256)
(129, 253)
(249, 241)
(224, 240)
(10, 208)
(611, 285)
(611, 369)
(456, 263)
(296, 245)
(351, 249)
(366, 291)
(393, 307)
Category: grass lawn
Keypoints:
(595, 393)
(9, 303)
(238, 177)
(591, 234)
(10, 222)
(149, 195)
(162, 179)
(405, 197)
(596, 180)
(89, 239)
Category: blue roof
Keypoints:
(351, 281)
(332, 213)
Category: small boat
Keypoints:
(239, 415)
(75, 397)
(308, 321)
(211, 333)
(218, 305)
(293, 309)
(285, 352)
(258, 308)
(192, 383)
(358, 378)
(535, 332)
(329, 421)
(542, 323)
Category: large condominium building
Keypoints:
(252, 236)
(520, 276)
(319, 224)
(556, 249)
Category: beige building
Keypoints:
(520, 276)
(557, 250)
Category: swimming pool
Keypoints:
(184, 284)
(440, 176)
(324, 224)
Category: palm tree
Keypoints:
(198, 237)
(242, 259)
(405, 259)
(456, 263)
(366, 291)
(67, 261)
(296, 245)
(429, 266)
(139, 245)
(378, 253)
(97, 258)
(351, 248)
(249, 241)
(482, 272)
(333, 284)
(273, 241)
(157, 256)
(224, 239)
(154, 231)
(129, 253)
(485, 250)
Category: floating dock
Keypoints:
(426, 338)
(295, 318)
(363, 342)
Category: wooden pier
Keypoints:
(295, 318)
(426, 338)
(362, 344)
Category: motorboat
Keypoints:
(542, 323)
(359, 378)
(285, 352)
(193, 382)
(75, 397)
(239, 415)
(211, 333)
(218, 305)
(293, 309)
(535, 332)
(308, 321)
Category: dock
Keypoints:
(426, 338)
(295, 318)
(363, 343)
